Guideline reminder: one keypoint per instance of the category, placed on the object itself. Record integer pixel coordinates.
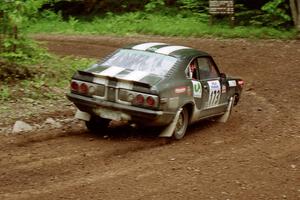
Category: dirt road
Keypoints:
(256, 155)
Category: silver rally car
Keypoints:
(154, 84)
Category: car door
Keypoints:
(212, 96)
(193, 74)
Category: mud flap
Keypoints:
(169, 130)
(82, 115)
(224, 118)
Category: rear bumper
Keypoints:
(139, 115)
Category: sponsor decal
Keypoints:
(180, 90)
(148, 45)
(223, 88)
(232, 83)
(169, 49)
(214, 93)
(197, 89)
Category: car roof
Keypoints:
(167, 49)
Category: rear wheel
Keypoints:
(181, 124)
(97, 124)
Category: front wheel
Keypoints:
(181, 124)
(97, 124)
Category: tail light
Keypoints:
(150, 101)
(241, 82)
(83, 88)
(74, 86)
(139, 99)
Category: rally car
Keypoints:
(154, 84)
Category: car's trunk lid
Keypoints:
(121, 77)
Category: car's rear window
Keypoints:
(158, 64)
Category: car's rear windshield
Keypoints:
(158, 64)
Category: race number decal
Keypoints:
(197, 89)
(214, 93)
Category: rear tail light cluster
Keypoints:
(79, 87)
(145, 100)
(150, 101)
(241, 83)
(137, 98)
(74, 86)
(85, 88)
(124, 96)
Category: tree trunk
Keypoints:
(298, 16)
(295, 10)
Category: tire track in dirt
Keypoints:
(96, 176)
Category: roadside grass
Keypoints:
(51, 80)
(153, 24)
(44, 92)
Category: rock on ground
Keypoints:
(21, 126)
(51, 122)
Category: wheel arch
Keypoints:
(237, 98)
(190, 108)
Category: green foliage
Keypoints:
(73, 22)
(276, 12)
(50, 15)
(49, 79)
(271, 13)
(15, 16)
(28, 50)
(194, 5)
(12, 71)
(154, 5)
(4, 93)
(158, 24)
(18, 13)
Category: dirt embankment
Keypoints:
(253, 156)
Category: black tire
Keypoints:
(181, 124)
(97, 124)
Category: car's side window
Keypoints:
(206, 68)
(192, 70)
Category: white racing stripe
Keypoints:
(102, 81)
(169, 49)
(135, 75)
(145, 46)
(111, 71)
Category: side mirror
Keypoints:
(223, 75)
